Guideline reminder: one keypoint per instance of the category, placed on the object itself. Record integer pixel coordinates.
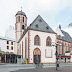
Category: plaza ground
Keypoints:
(61, 69)
(64, 67)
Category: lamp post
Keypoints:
(56, 55)
(56, 45)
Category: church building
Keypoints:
(35, 41)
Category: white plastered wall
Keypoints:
(43, 36)
(58, 31)
(23, 39)
(3, 46)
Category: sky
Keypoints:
(54, 12)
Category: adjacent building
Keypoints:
(6, 45)
(65, 40)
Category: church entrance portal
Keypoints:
(37, 56)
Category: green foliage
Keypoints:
(0, 54)
(70, 25)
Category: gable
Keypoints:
(40, 25)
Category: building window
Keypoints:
(65, 47)
(18, 18)
(37, 25)
(61, 58)
(23, 19)
(7, 42)
(47, 27)
(7, 47)
(11, 48)
(11, 43)
(11, 52)
(68, 58)
(2, 52)
(36, 40)
(48, 41)
(22, 26)
(7, 52)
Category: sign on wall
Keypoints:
(48, 53)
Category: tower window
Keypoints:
(11, 48)
(7, 42)
(11, 43)
(22, 26)
(18, 18)
(7, 47)
(23, 19)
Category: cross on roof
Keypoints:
(21, 8)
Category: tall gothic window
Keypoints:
(65, 47)
(36, 40)
(48, 41)
(62, 48)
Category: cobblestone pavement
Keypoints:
(60, 69)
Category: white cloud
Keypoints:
(47, 8)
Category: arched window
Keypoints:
(48, 41)
(36, 40)
(62, 48)
(65, 47)
(18, 18)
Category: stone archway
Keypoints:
(37, 56)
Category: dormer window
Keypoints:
(47, 27)
(40, 20)
(36, 25)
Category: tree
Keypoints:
(70, 25)
(0, 54)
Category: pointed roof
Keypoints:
(40, 25)
(66, 36)
(20, 13)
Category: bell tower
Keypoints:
(20, 25)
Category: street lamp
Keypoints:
(56, 45)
